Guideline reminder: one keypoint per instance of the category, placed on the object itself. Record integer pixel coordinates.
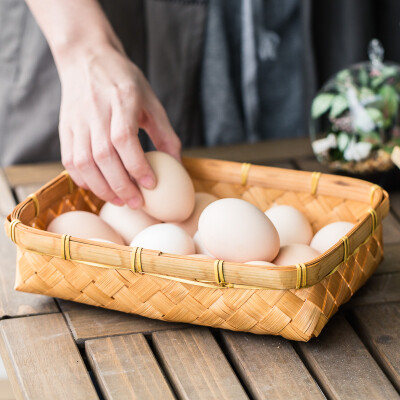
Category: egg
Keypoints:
(85, 225)
(294, 254)
(127, 222)
(167, 238)
(259, 263)
(200, 249)
(236, 230)
(202, 200)
(100, 240)
(291, 224)
(172, 200)
(329, 235)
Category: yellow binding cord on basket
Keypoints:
(219, 273)
(70, 181)
(35, 202)
(301, 280)
(346, 248)
(65, 247)
(245, 172)
(13, 223)
(314, 181)
(374, 188)
(136, 254)
(374, 217)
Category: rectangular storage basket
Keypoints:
(292, 301)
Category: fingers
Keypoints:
(110, 165)
(160, 130)
(66, 142)
(84, 163)
(124, 138)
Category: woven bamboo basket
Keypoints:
(292, 301)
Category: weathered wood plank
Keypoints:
(379, 289)
(26, 174)
(42, 360)
(13, 303)
(270, 367)
(196, 365)
(126, 368)
(391, 230)
(391, 261)
(379, 326)
(257, 153)
(88, 322)
(344, 367)
(395, 203)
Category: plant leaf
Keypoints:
(343, 140)
(321, 104)
(376, 115)
(339, 104)
(366, 93)
(390, 99)
(363, 77)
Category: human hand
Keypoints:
(105, 100)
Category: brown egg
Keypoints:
(291, 224)
(202, 200)
(85, 225)
(329, 235)
(172, 200)
(127, 222)
(236, 230)
(292, 254)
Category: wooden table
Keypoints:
(55, 349)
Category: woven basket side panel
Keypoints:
(293, 314)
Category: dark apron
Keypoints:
(226, 71)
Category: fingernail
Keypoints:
(147, 182)
(135, 202)
(117, 201)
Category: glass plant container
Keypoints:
(355, 116)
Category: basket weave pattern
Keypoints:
(297, 314)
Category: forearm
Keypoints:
(73, 26)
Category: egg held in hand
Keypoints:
(236, 230)
(167, 238)
(291, 224)
(85, 225)
(330, 234)
(172, 200)
(292, 254)
(202, 200)
(127, 222)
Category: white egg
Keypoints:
(291, 224)
(167, 238)
(292, 254)
(259, 263)
(200, 248)
(236, 230)
(202, 200)
(330, 234)
(85, 225)
(127, 222)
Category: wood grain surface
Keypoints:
(126, 368)
(391, 260)
(379, 326)
(270, 367)
(343, 366)
(196, 365)
(87, 322)
(13, 303)
(42, 360)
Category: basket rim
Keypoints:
(214, 273)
